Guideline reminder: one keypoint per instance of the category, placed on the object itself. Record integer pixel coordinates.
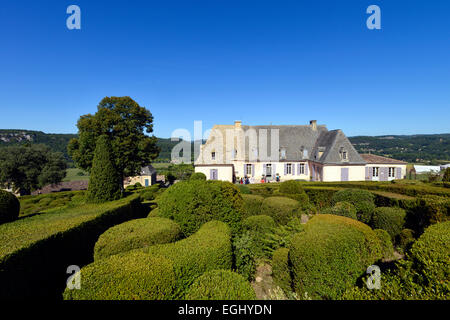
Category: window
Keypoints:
(213, 155)
(268, 169)
(248, 169)
(305, 153)
(344, 155)
(302, 168)
(283, 153)
(288, 168)
(375, 171)
(391, 172)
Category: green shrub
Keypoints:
(321, 197)
(281, 236)
(134, 234)
(244, 189)
(363, 200)
(208, 249)
(386, 243)
(343, 208)
(260, 224)
(153, 213)
(291, 187)
(281, 269)
(192, 203)
(138, 185)
(104, 178)
(198, 176)
(133, 276)
(281, 209)
(330, 255)
(9, 207)
(245, 251)
(428, 210)
(405, 239)
(390, 219)
(35, 251)
(252, 204)
(430, 256)
(221, 285)
(446, 176)
(148, 195)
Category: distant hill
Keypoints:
(411, 148)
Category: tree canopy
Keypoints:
(126, 124)
(29, 167)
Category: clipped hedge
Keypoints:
(386, 243)
(36, 251)
(9, 207)
(294, 190)
(330, 255)
(430, 256)
(428, 210)
(390, 219)
(208, 249)
(363, 200)
(321, 197)
(192, 203)
(343, 208)
(136, 234)
(133, 276)
(252, 204)
(221, 285)
(281, 269)
(198, 176)
(405, 239)
(281, 209)
(260, 224)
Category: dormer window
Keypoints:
(213, 155)
(343, 154)
(305, 154)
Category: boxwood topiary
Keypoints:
(198, 176)
(208, 249)
(192, 203)
(386, 243)
(281, 209)
(363, 200)
(221, 285)
(252, 204)
(291, 187)
(405, 239)
(342, 208)
(260, 224)
(281, 269)
(390, 219)
(136, 234)
(132, 276)
(9, 207)
(330, 255)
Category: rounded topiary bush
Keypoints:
(221, 285)
(405, 239)
(281, 209)
(260, 224)
(134, 234)
(252, 204)
(386, 243)
(430, 256)
(208, 249)
(363, 200)
(192, 203)
(9, 207)
(291, 187)
(131, 276)
(390, 219)
(198, 176)
(330, 255)
(281, 270)
(244, 189)
(342, 208)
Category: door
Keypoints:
(213, 174)
(146, 183)
(344, 174)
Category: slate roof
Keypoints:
(303, 142)
(148, 170)
(372, 158)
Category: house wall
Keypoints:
(224, 173)
(333, 173)
(277, 167)
(385, 166)
(141, 180)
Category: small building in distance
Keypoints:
(147, 177)
(427, 169)
(380, 168)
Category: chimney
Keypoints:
(313, 124)
(237, 123)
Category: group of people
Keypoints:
(264, 179)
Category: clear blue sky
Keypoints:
(262, 62)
